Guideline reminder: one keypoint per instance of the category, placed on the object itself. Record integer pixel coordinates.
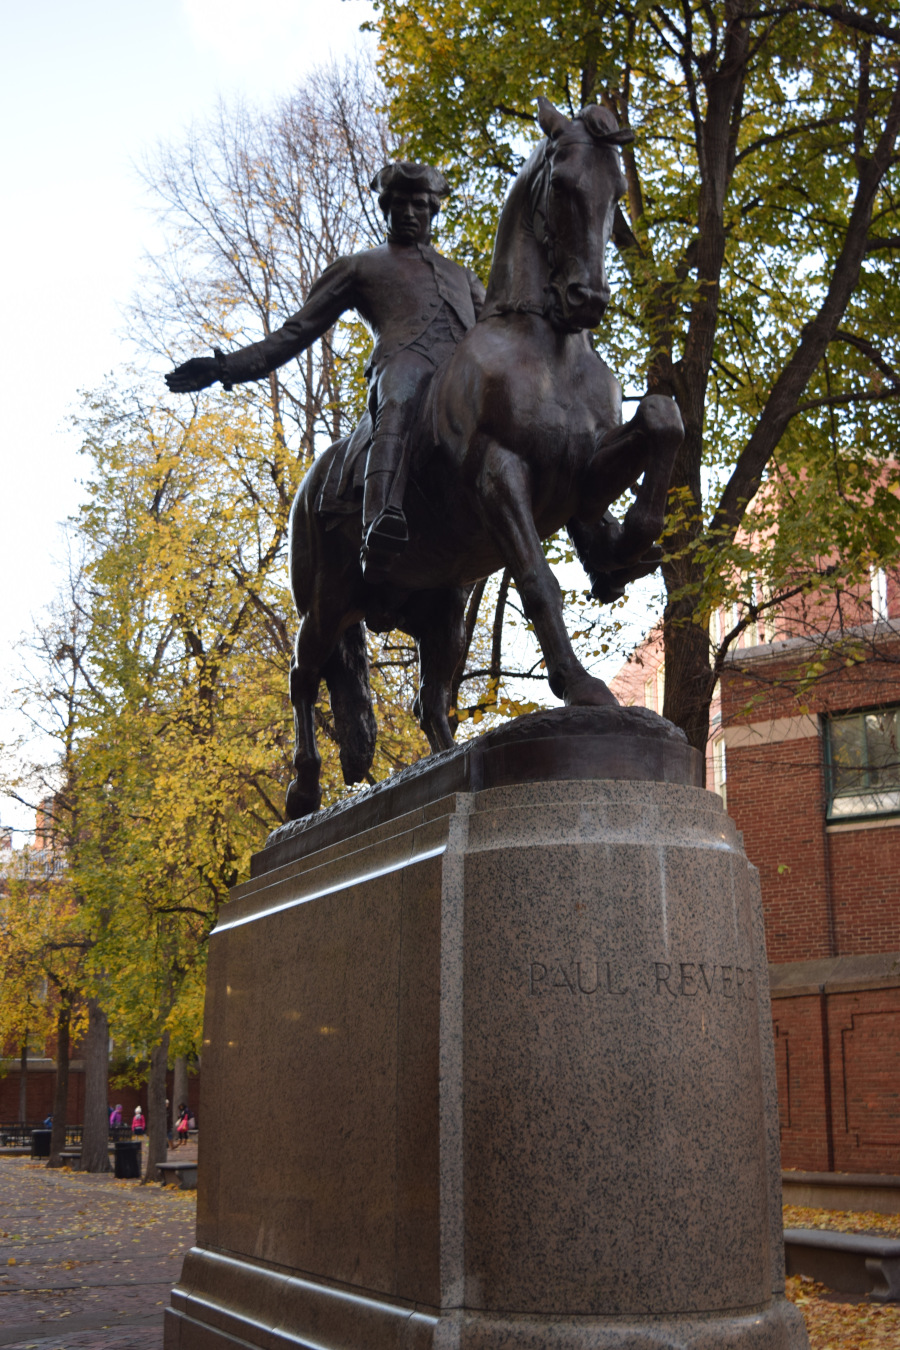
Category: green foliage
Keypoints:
(756, 277)
(182, 736)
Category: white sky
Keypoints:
(85, 89)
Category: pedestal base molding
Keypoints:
(222, 1302)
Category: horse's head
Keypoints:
(575, 198)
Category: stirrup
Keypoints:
(389, 528)
(385, 539)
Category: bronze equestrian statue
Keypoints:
(517, 434)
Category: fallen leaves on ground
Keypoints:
(88, 1246)
(98, 1219)
(842, 1221)
(832, 1325)
(109, 1207)
(840, 1321)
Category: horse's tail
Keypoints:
(346, 674)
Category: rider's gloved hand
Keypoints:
(198, 373)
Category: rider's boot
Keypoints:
(384, 525)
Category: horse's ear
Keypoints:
(552, 122)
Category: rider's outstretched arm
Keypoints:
(333, 293)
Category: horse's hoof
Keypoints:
(587, 692)
(299, 802)
(605, 589)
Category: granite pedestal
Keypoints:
(487, 1065)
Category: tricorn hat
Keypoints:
(406, 176)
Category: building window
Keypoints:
(718, 765)
(863, 763)
(878, 580)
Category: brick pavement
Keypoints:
(86, 1262)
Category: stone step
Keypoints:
(859, 1191)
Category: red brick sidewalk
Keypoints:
(87, 1262)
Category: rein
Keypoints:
(539, 191)
(537, 221)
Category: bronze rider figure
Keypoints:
(417, 304)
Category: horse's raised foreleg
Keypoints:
(505, 493)
(437, 621)
(615, 553)
(595, 544)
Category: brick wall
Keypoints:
(841, 1111)
(776, 796)
(830, 895)
(39, 1096)
(864, 1037)
(41, 1082)
(765, 677)
(803, 1102)
(865, 883)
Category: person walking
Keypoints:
(182, 1125)
(138, 1124)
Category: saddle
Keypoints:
(341, 494)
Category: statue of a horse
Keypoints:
(520, 434)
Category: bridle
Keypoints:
(539, 214)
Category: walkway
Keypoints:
(87, 1262)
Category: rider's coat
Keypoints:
(397, 290)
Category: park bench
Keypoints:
(186, 1173)
(71, 1158)
(853, 1263)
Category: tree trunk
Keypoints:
(95, 1139)
(23, 1082)
(157, 1125)
(688, 675)
(180, 1082)
(61, 1091)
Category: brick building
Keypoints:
(41, 1079)
(811, 776)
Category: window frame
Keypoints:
(869, 803)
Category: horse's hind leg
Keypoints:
(304, 795)
(315, 644)
(505, 490)
(437, 621)
(347, 675)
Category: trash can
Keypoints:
(40, 1143)
(128, 1158)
